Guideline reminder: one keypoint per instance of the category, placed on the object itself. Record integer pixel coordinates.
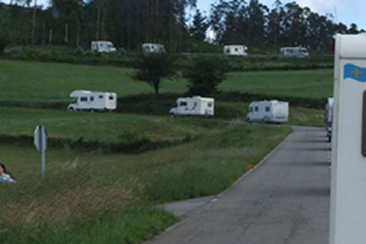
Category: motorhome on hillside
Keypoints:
(193, 106)
(235, 50)
(148, 48)
(268, 111)
(93, 101)
(294, 52)
(102, 46)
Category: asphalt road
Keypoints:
(284, 200)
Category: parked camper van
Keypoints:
(102, 46)
(93, 101)
(268, 111)
(148, 48)
(294, 52)
(193, 106)
(329, 117)
(235, 50)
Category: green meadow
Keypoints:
(94, 195)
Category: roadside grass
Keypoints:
(103, 127)
(84, 193)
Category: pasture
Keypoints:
(86, 190)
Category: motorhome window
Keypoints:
(110, 97)
(195, 104)
(256, 109)
(182, 104)
(91, 98)
(100, 97)
(268, 109)
(209, 105)
(83, 99)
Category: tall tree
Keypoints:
(199, 26)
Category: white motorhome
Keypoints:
(102, 46)
(193, 106)
(148, 48)
(294, 52)
(93, 101)
(235, 50)
(329, 117)
(268, 111)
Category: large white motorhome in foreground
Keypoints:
(193, 106)
(268, 111)
(235, 50)
(102, 46)
(329, 117)
(294, 52)
(93, 101)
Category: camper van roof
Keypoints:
(85, 92)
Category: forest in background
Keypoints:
(128, 24)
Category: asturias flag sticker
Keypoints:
(354, 72)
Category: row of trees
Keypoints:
(128, 24)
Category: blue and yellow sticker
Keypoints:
(355, 72)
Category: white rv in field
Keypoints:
(299, 52)
(102, 46)
(235, 50)
(93, 101)
(329, 117)
(148, 48)
(193, 106)
(268, 111)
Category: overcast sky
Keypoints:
(345, 11)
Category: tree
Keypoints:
(205, 73)
(200, 26)
(153, 67)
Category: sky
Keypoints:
(345, 11)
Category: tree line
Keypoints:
(128, 24)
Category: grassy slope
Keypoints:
(28, 81)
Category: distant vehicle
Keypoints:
(294, 52)
(193, 106)
(268, 111)
(93, 101)
(328, 120)
(235, 50)
(148, 48)
(102, 46)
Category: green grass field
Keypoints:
(86, 190)
(52, 82)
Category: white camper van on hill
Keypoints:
(299, 52)
(93, 101)
(102, 46)
(148, 48)
(193, 106)
(235, 50)
(268, 111)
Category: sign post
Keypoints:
(40, 141)
(348, 170)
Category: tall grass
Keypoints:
(115, 194)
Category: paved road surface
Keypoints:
(285, 200)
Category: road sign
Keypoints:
(40, 138)
(40, 141)
(348, 171)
